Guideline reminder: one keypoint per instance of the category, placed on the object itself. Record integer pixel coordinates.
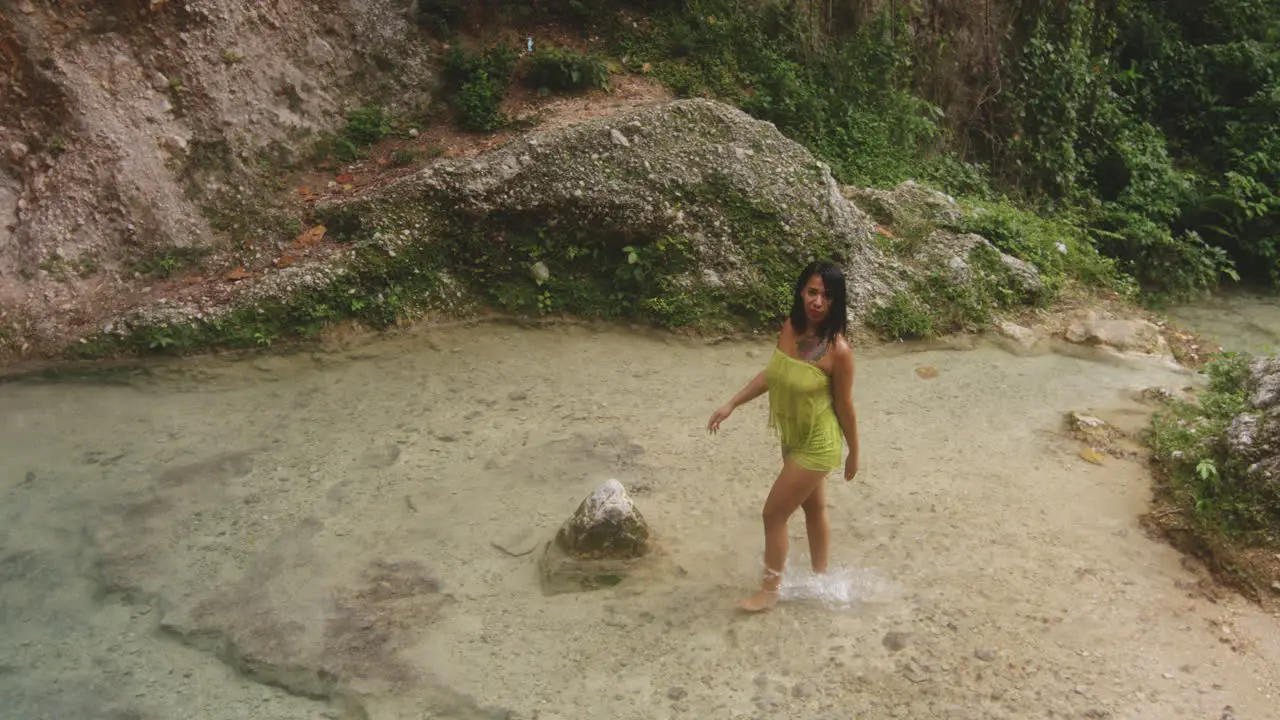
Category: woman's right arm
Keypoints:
(753, 390)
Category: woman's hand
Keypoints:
(851, 466)
(720, 415)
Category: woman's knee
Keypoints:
(814, 510)
(775, 515)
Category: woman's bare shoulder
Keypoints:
(841, 349)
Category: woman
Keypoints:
(810, 383)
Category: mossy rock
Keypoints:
(605, 541)
(606, 525)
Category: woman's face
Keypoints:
(816, 302)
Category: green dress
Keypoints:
(802, 412)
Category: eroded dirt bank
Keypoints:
(322, 523)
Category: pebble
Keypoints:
(985, 654)
(895, 641)
(677, 693)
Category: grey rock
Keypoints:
(1124, 335)
(606, 525)
(320, 51)
(1026, 337)
(985, 654)
(677, 693)
(907, 201)
(602, 543)
(632, 196)
(1264, 383)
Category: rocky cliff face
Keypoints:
(143, 130)
(123, 118)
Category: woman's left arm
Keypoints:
(842, 388)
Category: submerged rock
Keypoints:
(1123, 335)
(599, 545)
(1097, 433)
(1024, 336)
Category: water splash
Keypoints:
(840, 588)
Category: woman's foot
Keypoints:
(761, 601)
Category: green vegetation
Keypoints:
(365, 126)
(480, 82)
(1152, 128)
(1129, 145)
(566, 70)
(1189, 440)
(166, 262)
(378, 289)
(1142, 136)
(522, 264)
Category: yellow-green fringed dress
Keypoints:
(802, 412)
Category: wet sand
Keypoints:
(311, 536)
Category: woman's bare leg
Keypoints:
(815, 524)
(793, 486)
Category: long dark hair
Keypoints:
(837, 320)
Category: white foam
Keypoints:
(838, 589)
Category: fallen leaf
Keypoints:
(345, 178)
(646, 68)
(1091, 455)
(237, 274)
(927, 372)
(307, 195)
(310, 237)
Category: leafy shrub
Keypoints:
(566, 70)
(479, 99)
(1167, 266)
(1058, 248)
(1189, 440)
(480, 81)
(367, 125)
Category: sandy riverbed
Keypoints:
(310, 536)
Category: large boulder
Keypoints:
(748, 207)
(604, 540)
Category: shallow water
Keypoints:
(313, 536)
(1238, 321)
